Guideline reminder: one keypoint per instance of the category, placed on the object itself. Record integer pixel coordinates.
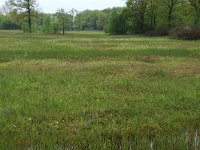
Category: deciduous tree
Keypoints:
(27, 7)
(63, 19)
(137, 8)
(171, 7)
(196, 5)
(72, 13)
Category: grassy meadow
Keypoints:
(90, 90)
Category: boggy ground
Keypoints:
(89, 90)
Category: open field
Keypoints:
(89, 90)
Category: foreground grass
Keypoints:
(95, 91)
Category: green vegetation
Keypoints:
(150, 17)
(89, 90)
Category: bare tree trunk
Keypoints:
(142, 23)
(154, 21)
(142, 15)
(72, 26)
(197, 15)
(152, 15)
(169, 18)
(63, 27)
(29, 16)
(29, 22)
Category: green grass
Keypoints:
(89, 90)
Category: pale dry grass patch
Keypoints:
(136, 66)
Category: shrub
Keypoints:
(157, 32)
(186, 33)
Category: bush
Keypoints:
(186, 33)
(157, 32)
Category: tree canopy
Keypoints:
(25, 8)
(138, 16)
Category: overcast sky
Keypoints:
(50, 6)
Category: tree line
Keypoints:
(138, 16)
(25, 15)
